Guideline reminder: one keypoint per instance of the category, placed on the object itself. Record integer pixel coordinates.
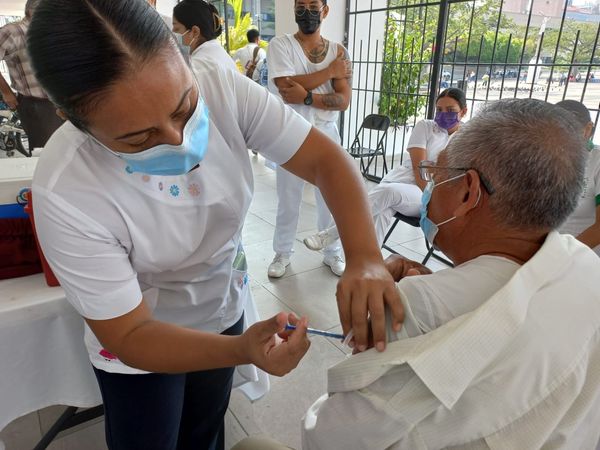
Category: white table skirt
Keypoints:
(43, 360)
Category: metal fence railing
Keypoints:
(405, 51)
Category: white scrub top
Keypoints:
(214, 52)
(584, 215)
(110, 235)
(426, 134)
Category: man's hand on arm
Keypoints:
(401, 267)
(340, 99)
(339, 69)
(291, 91)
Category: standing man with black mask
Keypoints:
(312, 75)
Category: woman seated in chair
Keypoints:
(401, 189)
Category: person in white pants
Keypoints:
(312, 75)
(401, 189)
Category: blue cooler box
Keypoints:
(15, 177)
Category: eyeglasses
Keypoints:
(300, 11)
(427, 169)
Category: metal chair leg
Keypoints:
(387, 236)
(68, 419)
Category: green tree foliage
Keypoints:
(406, 47)
(585, 45)
(471, 37)
(237, 31)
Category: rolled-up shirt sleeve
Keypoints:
(279, 60)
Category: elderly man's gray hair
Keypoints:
(532, 154)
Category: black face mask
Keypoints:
(308, 23)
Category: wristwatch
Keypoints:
(309, 99)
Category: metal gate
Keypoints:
(405, 51)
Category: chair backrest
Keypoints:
(373, 122)
(376, 122)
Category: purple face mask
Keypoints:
(446, 120)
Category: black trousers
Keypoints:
(167, 412)
(38, 118)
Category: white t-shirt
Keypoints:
(110, 235)
(426, 134)
(584, 215)
(244, 56)
(286, 58)
(214, 52)
(436, 300)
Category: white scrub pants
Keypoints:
(289, 194)
(385, 200)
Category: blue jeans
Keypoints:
(167, 412)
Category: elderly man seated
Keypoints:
(502, 351)
(505, 348)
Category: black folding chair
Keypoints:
(413, 222)
(358, 150)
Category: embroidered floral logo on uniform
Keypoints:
(108, 356)
(174, 189)
(194, 190)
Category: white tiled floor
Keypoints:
(307, 289)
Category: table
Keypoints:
(43, 360)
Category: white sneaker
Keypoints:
(336, 264)
(319, 241)
(278, 266)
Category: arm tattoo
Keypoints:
(347, 58)
(333, 101)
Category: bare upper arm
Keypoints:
(417, 154)
(343, 86)
(112, 333)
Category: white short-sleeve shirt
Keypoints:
(214, 52)
(426, 134)
(110, 235)
(286, 58)
(584, 215)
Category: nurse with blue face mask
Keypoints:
(140, 200)
(197, 25)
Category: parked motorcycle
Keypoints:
(11, 134)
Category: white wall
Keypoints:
(12, 7)
(333, 26)
(165, 7)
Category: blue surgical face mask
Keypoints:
(430, 229)
(186, 49)
(166, 159)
